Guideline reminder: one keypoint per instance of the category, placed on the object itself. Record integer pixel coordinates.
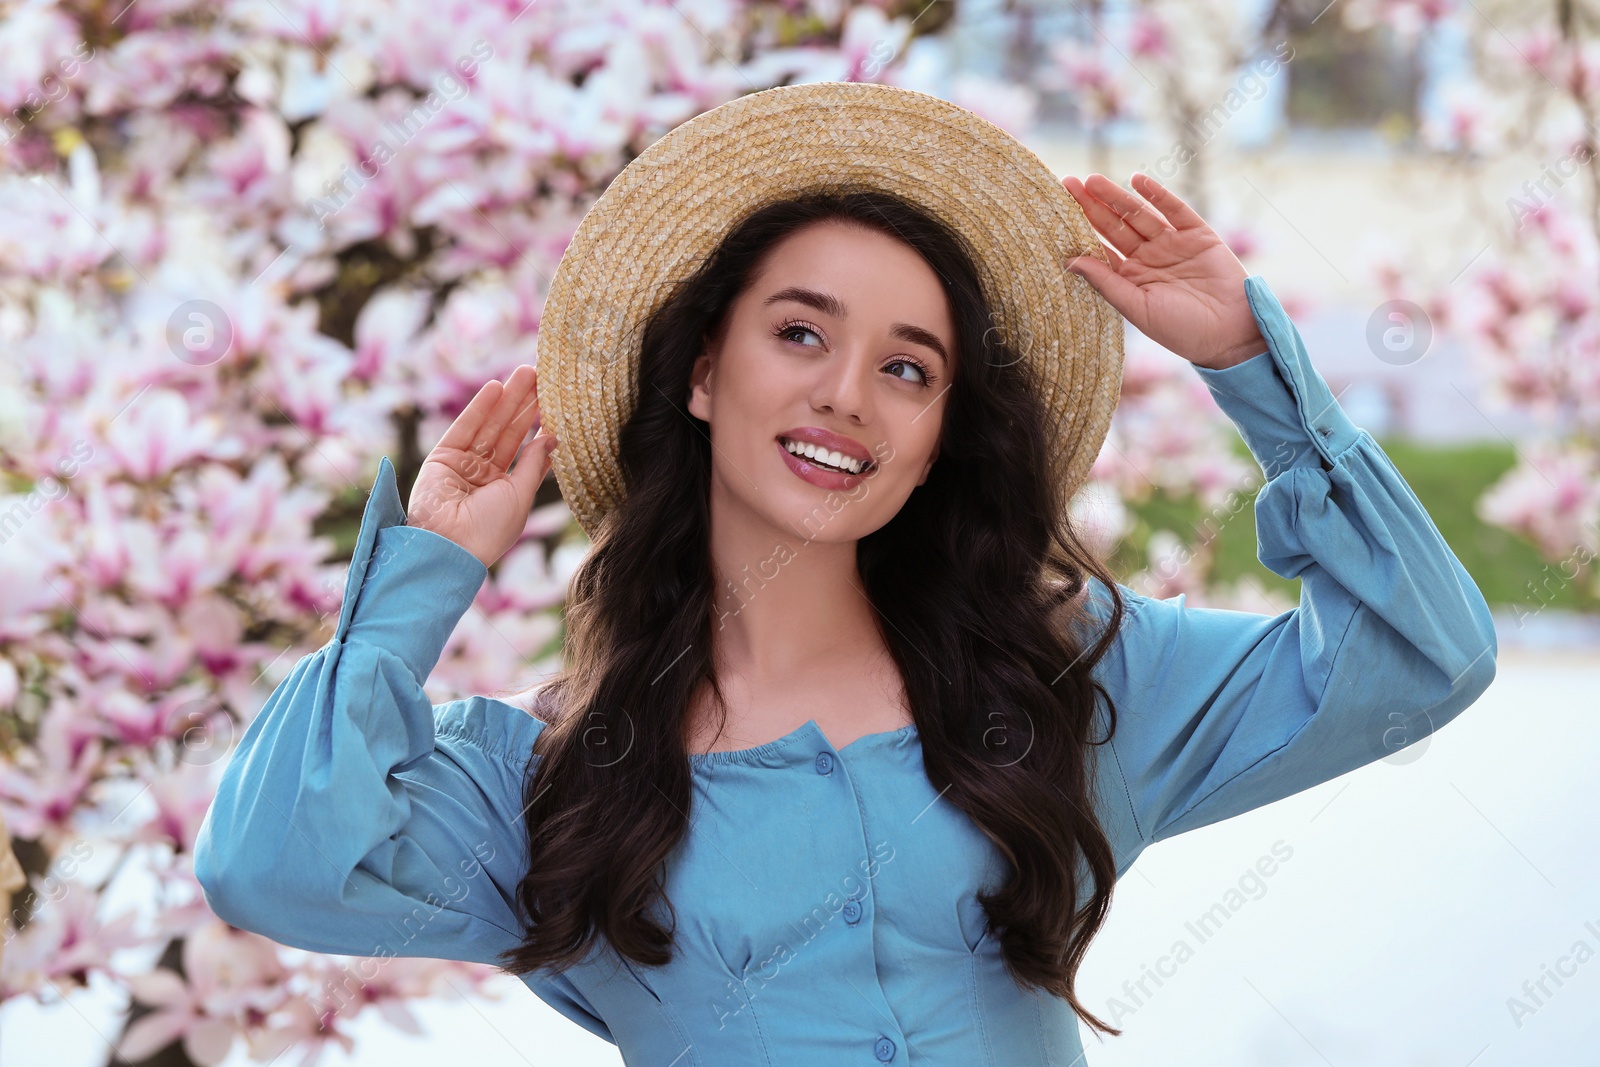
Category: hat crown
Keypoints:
(670, 208)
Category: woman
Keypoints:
(828, 775)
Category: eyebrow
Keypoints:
(829, 304)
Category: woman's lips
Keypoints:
(816, 475)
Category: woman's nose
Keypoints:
(843, 387)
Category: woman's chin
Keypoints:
(827, 517)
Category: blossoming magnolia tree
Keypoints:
(1174, 66)
(1523, 290)
(246, 248)
(1531, 305)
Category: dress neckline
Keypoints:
(808, 730)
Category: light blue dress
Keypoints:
(826, 897)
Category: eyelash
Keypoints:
(928, 377)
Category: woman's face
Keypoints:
(845, 338)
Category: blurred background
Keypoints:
(248, 247)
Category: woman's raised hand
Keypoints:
(1170, 274)
(467, 489)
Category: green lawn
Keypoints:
(1448, 481)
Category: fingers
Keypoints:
(1169, 203)
(500, 417)
(526, 414)
(1119, 292)
(1134, 209)
(1085, 263)
(1126, 220)
(1113, 261)
(532, 466)
(465, 428)
(1119, 233)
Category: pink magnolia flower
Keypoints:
(1243, 240)
(386, 329)
(1541, 48)
(1088, 74)
(248, 172)
(65, 938)
(182, 795)
(37, 42)
(488, 653)
(297, 1024)
(43, 235)
(1148, 35)
(31, 584)
(1552, 497)
(43, 788)
(150, 69)
(157, 433)
(261, 523)
(174, 564)
(10, 686)
(234, 978)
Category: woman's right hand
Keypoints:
(467, 489)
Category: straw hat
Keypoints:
(671, 206)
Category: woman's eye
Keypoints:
(921, 374)
(785, 331)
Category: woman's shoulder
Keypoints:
(1094, 600)
(1141, 631)
(503, 726)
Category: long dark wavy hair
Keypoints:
(980, 572)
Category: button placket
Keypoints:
(853, 911)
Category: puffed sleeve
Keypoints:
(1223, 711)
(355, 816)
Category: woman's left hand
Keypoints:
(1170, 274)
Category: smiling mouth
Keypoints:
(823, 459)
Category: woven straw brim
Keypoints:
(670, 208)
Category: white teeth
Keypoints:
(845, 464)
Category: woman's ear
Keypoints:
(699, 400)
